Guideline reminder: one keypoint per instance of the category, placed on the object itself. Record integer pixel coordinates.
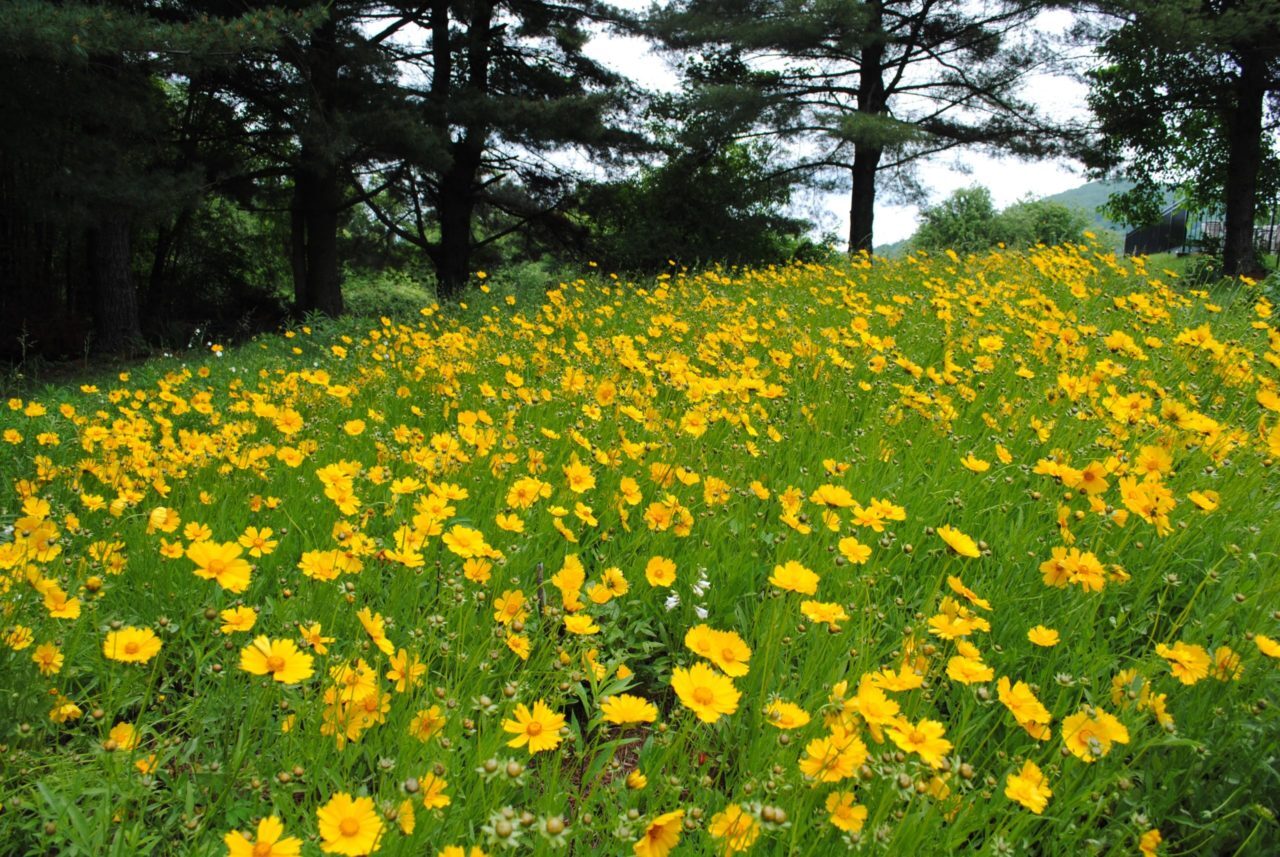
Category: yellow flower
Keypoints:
(1188, 662)
(353, 427)
(270, 841)
(660, 836)
(959, 542)
(738, 829)
(785, 715)
(1149, 843)
(131, 645)
(125, 736)
(924, 739)
(1042, 636)
(349, 826)
(625, 708)
(845, 813)
(1029, 787)
(704, 691)
(581, 624)
(968, 670)
(235, 619)
(823, 612)
(794, 577)
(281, 658)
(220, 562)
(660, 571)
(1089, 737)
(539, 729)
(853, 550)
(48, 659)
(832, 759)
(1268, 646)
(433, 796)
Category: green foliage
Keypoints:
(968, 222)
(695, 208)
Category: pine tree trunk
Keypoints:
(324, 283)
(115, 300)
(862, 209)
(298, 245)
(1244, 160)
(452, 256)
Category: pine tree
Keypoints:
(867, 89)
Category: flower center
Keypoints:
(533, 728)
(349, 827)
(131, 648)
(703, 696)
(275, 663)
(916, 737)
(728, 656)
(217, 566)
(262, 849)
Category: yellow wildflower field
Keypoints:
(924, 556)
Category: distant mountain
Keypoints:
(1089, 198)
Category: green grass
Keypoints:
(881, 379)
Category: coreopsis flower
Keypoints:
(281, 659)
(427, 723)
(853, 550)
(1025, 707)
(968, 670)
(1266, 645)
(1227, 664)
(510, 607)
(845, 813)
(706, 692)
(785, 715)
(406, 670)
(832, 759)
(537, 729)
(794, 577)
(1188, 662)
(581, 624)
(823, 612)
(1042, 636)
(460, 851)
(258, 541)
(131, 645)
(313, 636)
(958, 542)
(660, 571)
(1149, 843)
(433, 796)
(269, 841)
(48, 658)
(221, 562)
(925, 739)
(465, 542)
(738, 828)
(660, 836)
(349, 826)
(124, 736)
(1029, 787)
(238, 619)
(579, 477)
(1090, 736)
(625, 709)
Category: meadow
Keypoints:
(917, 557)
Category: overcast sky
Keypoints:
(1008, 179)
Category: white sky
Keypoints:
(1008, 179)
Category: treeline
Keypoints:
(166, 163)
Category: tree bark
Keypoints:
(324, 283)
(1244, 160)
(862, 210)
(867, 154)
(116, 329)
(452, 256)
(298, 245)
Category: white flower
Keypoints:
(672, 602)
(700, 611)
